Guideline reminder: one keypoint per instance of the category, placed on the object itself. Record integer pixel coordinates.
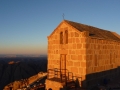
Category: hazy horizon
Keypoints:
(25, 24)
(22, 55)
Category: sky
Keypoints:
(25, 24)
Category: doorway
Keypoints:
(63, 66)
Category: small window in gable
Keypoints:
(91, 34)
(61, 37)
(66, 37)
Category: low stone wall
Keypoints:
(53, 84)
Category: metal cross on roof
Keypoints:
(63, 16)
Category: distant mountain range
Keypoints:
(21, 55)
(15, 69)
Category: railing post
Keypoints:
(60, 77)
(69, 75)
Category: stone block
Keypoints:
(72, 34)
(73, 40)
(50, 66)
(84, 57)
(69, 34)
(73, 57)
(83, 40)
(76, 34)
(63, 51)
(74, 46)
(88, 46)
(74, 69)
(77, 40)
(70, 52)
(70, 63)
(78, 52)
(73, 52)
(76, 57)
(79, 46)
(81, 71)
(83, 51)
(83, 64)
(70, 46)
(77, 64)
(84, 46)
(70, 40)
(57, 42)
(80, 57)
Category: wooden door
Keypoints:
(63, 66)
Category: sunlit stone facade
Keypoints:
(86, 56)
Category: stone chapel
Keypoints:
(81, 52)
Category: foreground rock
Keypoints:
(24, 83)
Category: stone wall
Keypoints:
(53, 84)
(86, 57)
(76, 60)
(75, 50)
(102, 59)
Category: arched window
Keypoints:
(61, 37)
(66, 37)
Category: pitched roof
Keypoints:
(94, 31)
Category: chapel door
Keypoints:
(63, 66)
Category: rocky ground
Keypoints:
(23, 83)
(16, 69)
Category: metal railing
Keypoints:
(62, 74)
